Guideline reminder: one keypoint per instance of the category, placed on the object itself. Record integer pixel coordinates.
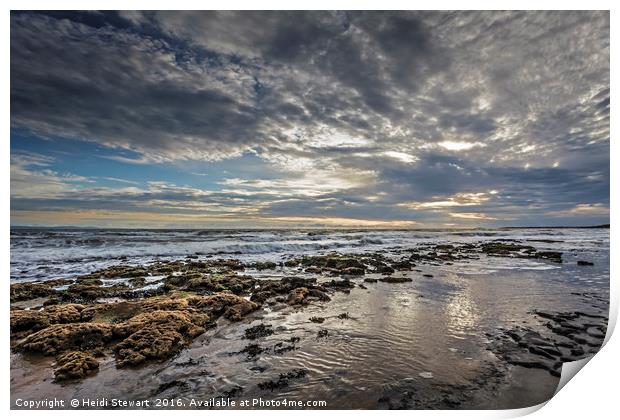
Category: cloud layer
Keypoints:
(433, 118)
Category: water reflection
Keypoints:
(462, 314)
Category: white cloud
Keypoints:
(401, 156)
(458, 146)
(458, 200)
(472, 216)
(582, 209)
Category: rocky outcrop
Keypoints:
(74, 365)
(136, 332)
(229, 306)
(33, 320)
(156, 335)
(62, 337)
(27, 291)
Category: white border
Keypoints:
(593, 394)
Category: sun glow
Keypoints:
(458, 146)
(457, 200)
(403, 157)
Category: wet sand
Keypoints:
(451, 336)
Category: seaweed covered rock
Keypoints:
(215, 282)
(116, 271)
(302, 296)
(188, 323)
(30, 320)
(181, 280)
(229, 264)
(289, 283)
(284, 379)
(89, 281)
(353, 271)
(111, 312)
(149, 329)
(163, 303)
(64, 314)
(297, 296)
(296, 290)
(61, 337)
(384, 269)
(74, 365)
(27, 291)
(162, 268)
(265, 265)
(228, 305)
(156, 335)
(89, 293)
(26, 320)
(402, 265)
(517, 250)
(237, 284)
(345, 284)
(258, 331)
(319, 294)
(505, 249)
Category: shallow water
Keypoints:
(422, 344)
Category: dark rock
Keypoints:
(322, 333)
(265, 265)
(297, 296)
(395, 280)
(253, 350)
(280, 348)
(258, 331)
(402, 265)
(295, 282)
(353, 271)
(234, 392)
(384, 270)
(340, 284)
(137, 282)
(549, 255)
(283, 380)
(172, 384)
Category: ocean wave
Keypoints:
(41, 253)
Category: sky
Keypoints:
(310, 119)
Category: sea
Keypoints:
(424, 344)
(52, 253)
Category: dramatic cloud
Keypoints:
(432, 118)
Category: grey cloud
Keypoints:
(530, 89)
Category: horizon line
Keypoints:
(599, 226)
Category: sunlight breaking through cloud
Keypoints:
(399, 117)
